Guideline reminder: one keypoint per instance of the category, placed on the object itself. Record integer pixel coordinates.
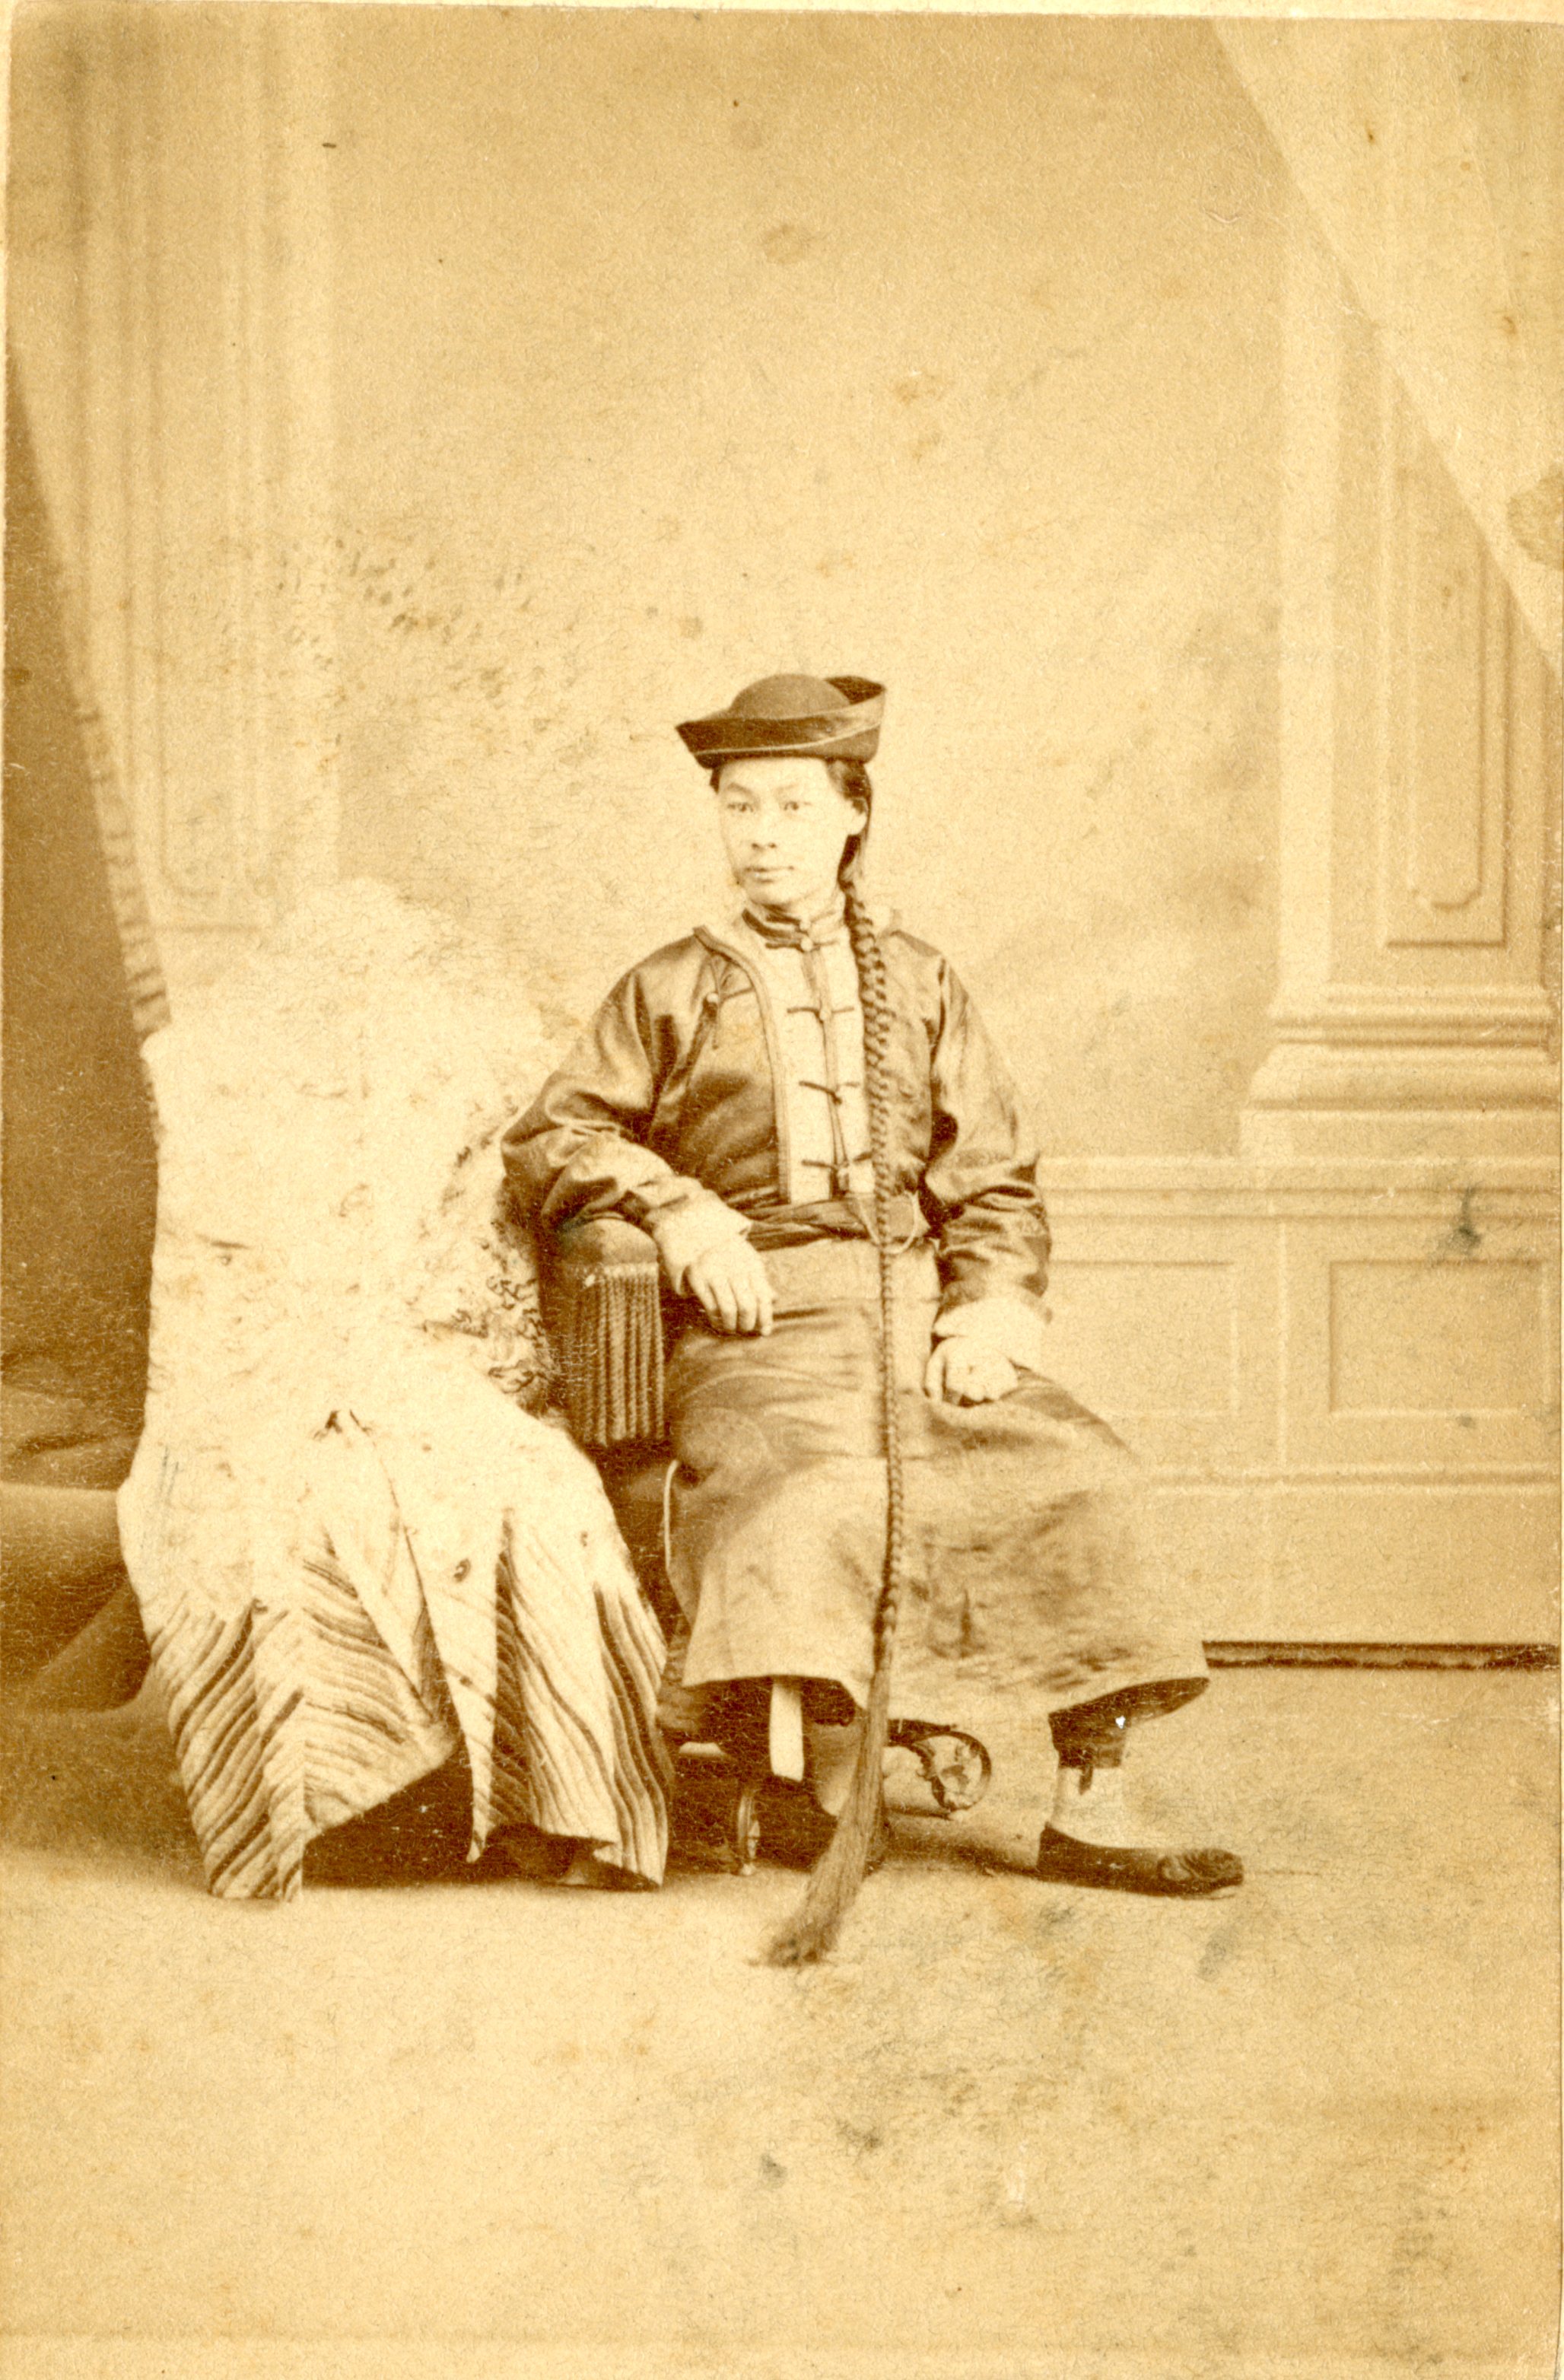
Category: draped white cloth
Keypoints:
(355, 1547)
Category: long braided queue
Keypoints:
(812, 1930)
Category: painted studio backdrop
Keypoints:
(428, 408)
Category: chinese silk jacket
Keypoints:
(678, 1109)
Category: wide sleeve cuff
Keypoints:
(691, 1227)
(1009, 1325)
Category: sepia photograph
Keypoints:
(781, 1141)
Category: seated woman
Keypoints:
(722, 1099)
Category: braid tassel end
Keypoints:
(810, 1934)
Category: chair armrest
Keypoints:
(601, 1239)
(601, 1294)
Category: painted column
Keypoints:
(1419, 726)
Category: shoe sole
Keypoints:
(1168, 1876)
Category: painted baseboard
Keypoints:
(1236, 1655)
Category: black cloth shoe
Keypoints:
(794, 1830)
(1064, 1859)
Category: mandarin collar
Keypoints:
(792, 933)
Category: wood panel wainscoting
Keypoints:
(1342, 1377)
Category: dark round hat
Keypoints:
(819, 718)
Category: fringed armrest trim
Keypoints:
(602, 1305)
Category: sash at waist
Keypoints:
(836, 1219)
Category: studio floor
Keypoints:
(1011, 2130)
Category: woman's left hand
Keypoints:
(966, 1374)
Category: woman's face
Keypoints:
(785, 825)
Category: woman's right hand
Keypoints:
(733, 1288)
